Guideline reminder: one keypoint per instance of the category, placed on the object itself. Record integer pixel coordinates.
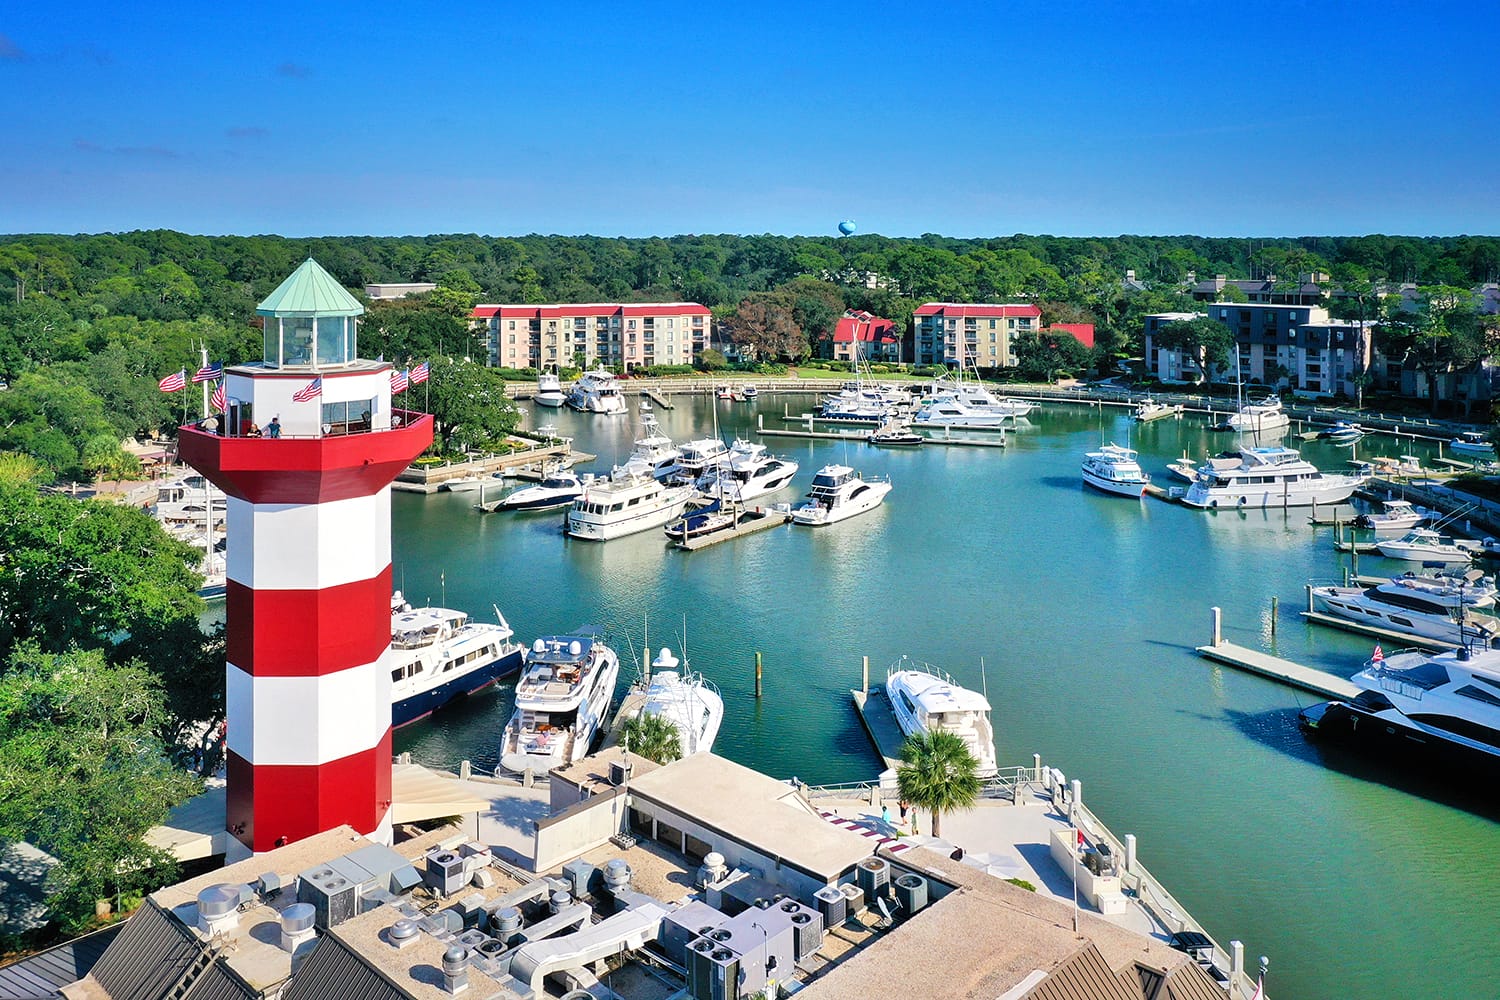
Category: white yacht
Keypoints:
(655, 449)
(467, 484)
(837, 493)
(438, 654)
(1113, 469)
(1395, 515)
(557, 489)
(925, 700)
(859, 402)
(746, 473)
(189, 500)
(1473, 443)
(562, 699)
(549, 390)
(629, 500)
(1427, 610)
(967, 404)
(1427, 546)
(697, 457)
(597, 391)
(687, 700)
(1441, 708)
(1271, 476)
(1263, 417)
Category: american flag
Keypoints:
(312, 390)
(209, 372)
(175, 382)
(399, 381)
(1378, 656)
(418, 374)
(218, 398)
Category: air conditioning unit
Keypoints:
(873, 875)
(854, 897)
(911, 893)
(807, 928)
(445, 872)
(832, 905)
(700, 969)
(334, 898)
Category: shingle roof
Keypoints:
(40, 977)
(310, 291)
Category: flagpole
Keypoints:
(203, 355)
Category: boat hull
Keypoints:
(1351, 605)
(424, 703)
(1391, 735)
(590, 528)
(818, 516)
(1217, 498)
(1122, 488)
(540, 503)
(550, 399)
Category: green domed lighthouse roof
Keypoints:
(310, 291)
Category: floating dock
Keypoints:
(859, 437)
(658, 399)
(749, 523)
(880, 722)
(1337, 514)
(1170, 411)
(1295, 674)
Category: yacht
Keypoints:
(562, 699)
(747, 472)
(1395, 515)
(190, 500)
(1343, 432)
(557, 489)
(1259, 418)
(925, 700)
(837, 493)
(1270, 476)
(1427, 546)
(629, 500)
(549, 390)
(1114, 469)
(597, 391)
(1473, 443)
(894, 434)
(1441, 708)
(1427, 609)
(687, 700)
(857, 404)
(438, 654)
(967, 404)
(466, 484)
(655, 449)
(697, 457)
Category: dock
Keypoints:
(630, 706)
(1318, 682)
(748, 524)
(1342, 513)
(1361, 548)
(880, 722)
(859, 436)
(658, 399)
(1170, 411)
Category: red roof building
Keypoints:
(985, 331)
(627, 335)
(873, 338)
(1082, 332)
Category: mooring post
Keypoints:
(1130, 853)
(1346, 582)
(1036, 768)
(864, 675)
(1218, 616)
(1308, 588)
(1274, 600)
(757, 675)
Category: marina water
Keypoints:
(1357, 879)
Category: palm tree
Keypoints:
(939, 774)
(653, 737)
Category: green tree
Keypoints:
(653, 737)
(938, 773)
(469, 406)
(1040, 355)
(1445, 335)
(712, 360)
(83, 774)
(1206, 341)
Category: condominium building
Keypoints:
(865, 336)
(630, 335)
(986, 332)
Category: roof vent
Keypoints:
(297, 928)
(456, 969)
(403, 934)
(218, 909)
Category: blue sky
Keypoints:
(640, 119)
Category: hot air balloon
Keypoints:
(847, 227)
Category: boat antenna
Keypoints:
(983, 684)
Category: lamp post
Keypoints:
(770, 960)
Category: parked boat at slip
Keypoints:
(697, 457)
(1425, 709)
(1427, 546)
(895, 435)
(629, 500)
(438, 654)
(1343, 432)
(549, 390)
(1473, 443)
(1395, 515)
(1113, 469)
(1264, 417)
(1184, 467)
(837, 493)
(686, 700)
(1427, 610)
(1149, 409)
(655, 449)
(700, 522)
(1272, 476)
(562, 700)
(925, 700)
(466, 484)
(745, 473)
(557, 489)
(597, 391)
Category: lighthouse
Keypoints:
(307, 453)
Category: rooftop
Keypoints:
(310, 291)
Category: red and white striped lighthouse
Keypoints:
(308, 686)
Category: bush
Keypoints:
(1022, 883)
(658, 371)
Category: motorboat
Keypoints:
(750, 392)
(629, 500)
(1184, 468)
(864, 404)
(1425, 610)
(1149, 409)
(189, 500)
(697, 457)
(655, 449)
(708, 520)
(926, 700)
(727, 392)
(439, 654)
(1113, 469)
(557, 489)
(837, 493)
(1442, 708)
(549, 390)
(746, 473)
(466, 484)
(1473, 443)
(597, 391)
(1269, 476)
(962, 403)
(1343, 432)
(685, 699)
(895, 435)
(1263, 417)
(562, 701)
(1427, 546)
(1394, 515)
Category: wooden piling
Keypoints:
(757, 675)
(864, 674)
(1274, 601)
